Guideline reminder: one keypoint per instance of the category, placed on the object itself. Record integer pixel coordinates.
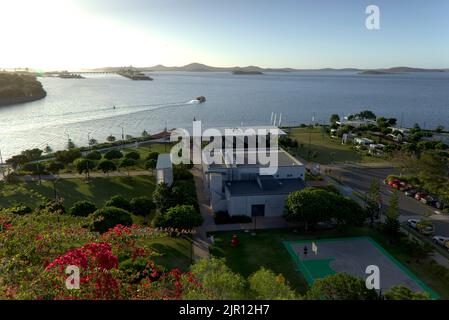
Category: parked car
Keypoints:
(393, 182)
(412, 223)
(442, 241)
(407, 187)
(440, 204)
(415, 224)
(429, 200)
(411, 192)
(419, 195)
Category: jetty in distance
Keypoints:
(130, 73)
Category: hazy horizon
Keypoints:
(86, 34)
(220, 66)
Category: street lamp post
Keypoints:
(1, 164)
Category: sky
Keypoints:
(75, 34)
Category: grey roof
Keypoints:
(163, 161)
(274, 187)
(284, 160)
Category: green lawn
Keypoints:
(316, 145)
(98, 190)
(266, 249)
(176, 252)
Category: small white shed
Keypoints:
(164, 169)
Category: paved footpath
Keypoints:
(134, 173)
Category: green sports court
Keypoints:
(351, 255)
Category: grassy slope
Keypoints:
(98, 190)
(326, 148)
(266, 249)
(176, 252)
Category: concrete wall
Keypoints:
(216, 194)
(274, 205)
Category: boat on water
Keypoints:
(201, 99)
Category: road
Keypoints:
(358, 178)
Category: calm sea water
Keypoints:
(76, 107)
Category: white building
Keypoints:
(356, 122)
(239, 189)
(164, 169)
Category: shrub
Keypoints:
(141, 206)
(265, 284)
(83, 165)
(33, 167)
(132, 155)
(109, 217)
(400, 292)
(180, 172)
(106, 166)
(150, 164)
(53, 206)
(20, 209)
(127, 163)
(340, 286)
(82, 208)
(54, 167)
(94, 155)
(181, 192)
(118, 202)
(67, 156)
(180, 217)
(153, 155)
(113, 154)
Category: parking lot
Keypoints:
(358, 178)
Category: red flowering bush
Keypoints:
(95, 261)
(36, 249)
(170, 286)
(28, 243)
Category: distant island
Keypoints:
(242, 72)
(397, 70)
(199, 67)
(18, 88)
(374, 72)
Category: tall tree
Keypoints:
(392, 224)
(218, 280)
(84, 165)
(264, 284)
(341, 286)
(400, 292)
(106, 166)
(128, 163)
(373, 200)
(334, 118)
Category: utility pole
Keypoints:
(68, 140)
(1, 164)
(38, 167)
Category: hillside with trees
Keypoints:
(18, 88)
